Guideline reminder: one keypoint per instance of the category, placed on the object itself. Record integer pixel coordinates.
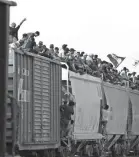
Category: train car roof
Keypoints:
(65, 76)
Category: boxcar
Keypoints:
(34, 97)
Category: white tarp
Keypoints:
(87, 92)
(135, 112)
(117, 99)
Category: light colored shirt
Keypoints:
(105, 114)
(134, 79)
(124, 75)
(88, 58)
(61, 53)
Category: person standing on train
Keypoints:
(124, 76)
(13, 31)
(134, 77)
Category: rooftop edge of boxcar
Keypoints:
(38, 56)
(106, 83)
(120, 87)
(10, 3)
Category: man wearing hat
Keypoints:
(40, 46)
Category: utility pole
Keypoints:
(4, 50)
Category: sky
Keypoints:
(93, 26)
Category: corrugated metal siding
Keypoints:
(47, 97)
(42, 108)
(56, 95)
(24, 90)
(36, 84)
(9, 120)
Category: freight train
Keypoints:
(36, 87)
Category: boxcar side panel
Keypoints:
(134, 96)
(117, 99)
(24, 91)
(87, 92)
(38, 93)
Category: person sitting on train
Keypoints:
(78, 63)
(13, 31)
(103, 70)
(56, 52)
(65, 55)
(39, 47)
(24, 38)
(51, 50)
(91, 64)
(70, 60)
(109, 73)
(94, 66)
(29, 43)
(87, 69)
(115, 77)
(45, 52)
